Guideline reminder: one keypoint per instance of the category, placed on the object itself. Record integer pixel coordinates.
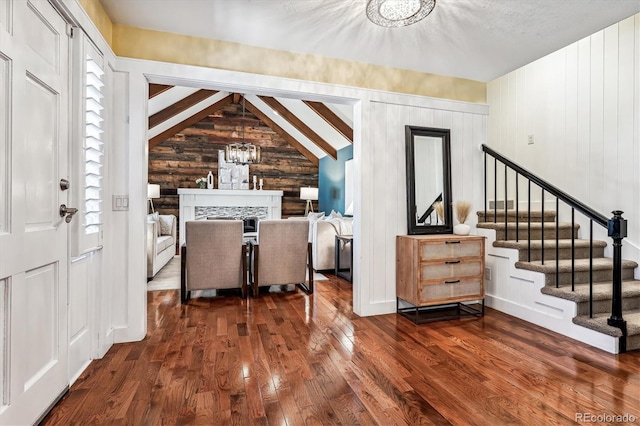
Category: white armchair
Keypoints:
(322, 236)
(161, 241)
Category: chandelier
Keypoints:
(398, 13)
(242, 153)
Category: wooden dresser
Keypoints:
(438, 271)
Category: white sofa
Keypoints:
(161, 241)
(322, 234)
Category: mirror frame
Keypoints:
(445, 135)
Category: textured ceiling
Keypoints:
(475, 39)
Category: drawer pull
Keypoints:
(452, 282)
(452, 242)
(451, 262)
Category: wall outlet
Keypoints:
(487, 274)
(530, 139)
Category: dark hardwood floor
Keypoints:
(292, 359)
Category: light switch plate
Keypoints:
(120, 203)
(530, 139)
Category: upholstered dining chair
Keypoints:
(214, 257)
(281, 255)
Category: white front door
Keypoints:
(34, 116)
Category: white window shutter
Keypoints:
(89, 147)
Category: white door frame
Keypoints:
(141, 73)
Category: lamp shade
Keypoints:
(153, 190)
(309, 193)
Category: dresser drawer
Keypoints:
(444, 269)
(454, 248)
(453, 289)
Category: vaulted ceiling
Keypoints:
(314, 128)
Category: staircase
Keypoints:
(579, 275)
(539, 269)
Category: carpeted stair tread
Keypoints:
(535, 231)
(601, 291)
(551, 244)
(534, 225)
(581, 265)
(599, 323)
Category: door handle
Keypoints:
(68, 212)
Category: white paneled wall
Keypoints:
(384, 153)
(582, 106)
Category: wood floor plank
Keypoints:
(289, 407)
(289, 358)
(274, 414)
(255, 405)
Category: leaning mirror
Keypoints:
(428, 180)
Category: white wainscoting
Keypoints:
(88, 332)
(4, 308)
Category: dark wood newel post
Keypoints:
(617, 230)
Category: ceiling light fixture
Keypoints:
(398, 13)
(242, 153)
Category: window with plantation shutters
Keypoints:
(88, 146)
(93, 146)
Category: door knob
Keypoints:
(68, 212)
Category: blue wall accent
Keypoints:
(331, 181)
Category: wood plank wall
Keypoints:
(178, 161)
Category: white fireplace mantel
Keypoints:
(234, 202)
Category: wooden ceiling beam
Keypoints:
(283, 133)
(156, 89)
(179, 106)
(236, 98)
(298, 124)
(156, 140)
(331, 118)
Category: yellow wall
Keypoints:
(141, 43)
(99, 17)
